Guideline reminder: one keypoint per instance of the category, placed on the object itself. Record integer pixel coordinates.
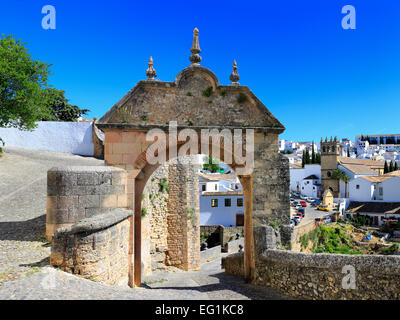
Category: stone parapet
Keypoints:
(95, 248)
(321, 276)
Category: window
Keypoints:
(381, 191)
(214, 203)
(216, 186)
(227, 202)
(357, 186)
(329, 174)
(203, 187)
(240, 202)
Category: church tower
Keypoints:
(330, 153)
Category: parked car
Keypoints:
(319, 221)
(309, 199)
(300, 215)
(327, 219)
(292, 223)
(301, 210)
(322, 208)
(303, 203)
(297, 219)
(295, 203)
(291, 199)
(303, 197)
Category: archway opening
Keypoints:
(188, 212)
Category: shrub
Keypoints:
(241, 98)
(207, 92)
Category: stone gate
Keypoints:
(193, 103)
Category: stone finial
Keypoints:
(234, 77)
(335, 138)
(326, 139)
(150, 72)
(195, 50)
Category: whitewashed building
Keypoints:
(221, 200)
(306, 180)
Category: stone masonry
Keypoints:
(95, 248)
(75, 193)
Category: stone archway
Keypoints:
(196, 101)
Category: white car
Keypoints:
(303, 197)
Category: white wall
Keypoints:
(297, 175)
(364, 193)
(68, 137)
(391, 190)
(221, 215)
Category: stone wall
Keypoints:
(75, 193)
(171, 203)
(321, 276)
(95, 248)
(234, 264)
(183, 217)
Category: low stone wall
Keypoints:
(298, 231)
(95, 248)
(210, 254)
(234, 246)
(324, 276)
(234, 264)
(321, 276)
(75, 193)
(220, 235)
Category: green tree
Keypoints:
(303, 159)
(396, 167)
(313, 159)
(386, 168)
(341, 175)
(59, 107)
(307, 154)
(391, 168)
(22, 80)
(348, 152)
(211, 164)
(318, 158)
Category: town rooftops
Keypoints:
(217, 176)
(222, 193)
(383, 177)
(374, 207)
(311, 177)
(358, 166)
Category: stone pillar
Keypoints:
(183, 217)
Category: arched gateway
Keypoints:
(185, 111)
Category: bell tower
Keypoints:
(330, 153)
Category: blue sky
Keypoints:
(315, 77)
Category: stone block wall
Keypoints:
(75, 193)
(171, 203)
(183, 217)
(95, 248)
(321, 276)
(234, 264)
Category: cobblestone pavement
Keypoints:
(24, 253)
(23, 248)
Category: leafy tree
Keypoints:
(396, 167)
(61, 110)
(391, 168)
(348, 152)
(211, 164)
(22, 80)
(303, 159)
(341, 175)
(386, 168)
